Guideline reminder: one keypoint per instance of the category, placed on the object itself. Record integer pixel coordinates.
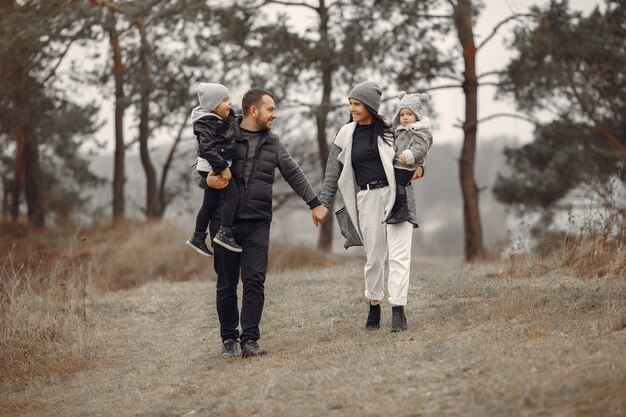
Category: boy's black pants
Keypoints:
(253, 236)
(209, 202)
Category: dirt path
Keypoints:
(478, 344)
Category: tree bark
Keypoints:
(152, 199)
(164, 198)
(471, 213)
(18, 172)
(6, 199)
(120, 106)
(325, 239)
(33, 181)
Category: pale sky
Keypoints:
(449, 103)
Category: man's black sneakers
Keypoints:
(251, 348)
(229, 349)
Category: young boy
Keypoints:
(412, 143)
(213, 124)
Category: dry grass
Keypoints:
(480, 343)
(595, 256)
(520, 336)
(588, 257)
(48, 278)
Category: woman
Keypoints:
(360, 165)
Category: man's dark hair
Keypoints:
(254, 96)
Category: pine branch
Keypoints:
(56, 67)
(497, 27)
(288, 3)
(497, 115)
(443, 87)
(488, 73)
(493, 84)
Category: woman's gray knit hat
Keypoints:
(210, 95)
(368, 93)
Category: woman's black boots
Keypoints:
(398, 319)
(400, 211)
(373, 317)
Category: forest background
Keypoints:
(524, 193)
(141, 60)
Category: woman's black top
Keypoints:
(366, 162)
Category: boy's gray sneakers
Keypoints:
(224, 237)
(198, 243)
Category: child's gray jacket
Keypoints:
(414, 142)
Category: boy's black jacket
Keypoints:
(215, 140)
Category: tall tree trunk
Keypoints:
(33, 181)
(471, 212)
(164, 199)
(326, 232)
(6, 198)
(120, 106)
(18, 171)
(152, 198)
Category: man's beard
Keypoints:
(264, 124)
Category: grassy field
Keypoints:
(512, 337)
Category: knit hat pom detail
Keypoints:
(416, 102)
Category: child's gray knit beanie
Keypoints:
(368, 93)
(210, 95)
(414, 102)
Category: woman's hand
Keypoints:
(402, 159)
(419, 171)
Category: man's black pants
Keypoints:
(253, 236)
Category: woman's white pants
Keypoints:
(380, 239)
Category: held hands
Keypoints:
(216, 181)
(319, 215)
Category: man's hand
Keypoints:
(319, 214)
(216, 181)
(226, 174)
(402, 158)
(419, 171)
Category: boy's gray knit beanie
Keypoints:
(368, 93)
(210, 95)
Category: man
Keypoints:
(259, 153)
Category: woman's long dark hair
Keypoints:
(381, 128)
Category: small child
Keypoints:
(214, 127)
(412, 143)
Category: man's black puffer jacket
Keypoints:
(255, 191)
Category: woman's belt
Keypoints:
(374, 185)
